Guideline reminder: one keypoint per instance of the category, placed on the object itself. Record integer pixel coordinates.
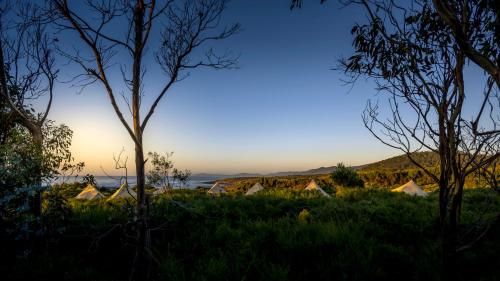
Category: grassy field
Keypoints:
(277, 235)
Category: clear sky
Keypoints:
(284, 109)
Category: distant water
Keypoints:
(114, 182)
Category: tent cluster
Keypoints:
(410, 188)
(218, 188)
(91, 193)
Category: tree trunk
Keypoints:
(449, 244)
(140, 269)
(443, 170)
(37, 197)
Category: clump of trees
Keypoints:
(346, 176)
(163, 174)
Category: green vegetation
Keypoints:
(346, 176)
(281, 234)
(401, 162)
(389, 178)
(296, 183)
(163, 174)
(376, 178)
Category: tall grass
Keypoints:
(357, 235)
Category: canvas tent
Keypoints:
(90, 192)
(410, 188)
(217, 188)
(314, 186)
(124, 192)
(254, 189)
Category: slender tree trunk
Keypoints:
(443, 172)
(455, 177)
(450, 235)
(448, 262)
(141, 261)
(140, 270)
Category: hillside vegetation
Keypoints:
(385, 174)
(401, 162)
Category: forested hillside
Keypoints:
(427, 159)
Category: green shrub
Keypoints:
(346, 176)
(56, 212)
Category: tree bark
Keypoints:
(140, 269)
(37, 197)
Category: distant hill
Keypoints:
(427, 159)
(317, 171)
(219, 176)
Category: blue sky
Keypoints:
(283, 109)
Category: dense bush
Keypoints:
(346, 176)
(56, 212)
(283, 234)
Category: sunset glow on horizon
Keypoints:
(284, 109)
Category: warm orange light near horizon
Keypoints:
(203, 147)
(95, 142)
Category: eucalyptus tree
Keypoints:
(28, 73)
(413, 57)
(116, 35)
